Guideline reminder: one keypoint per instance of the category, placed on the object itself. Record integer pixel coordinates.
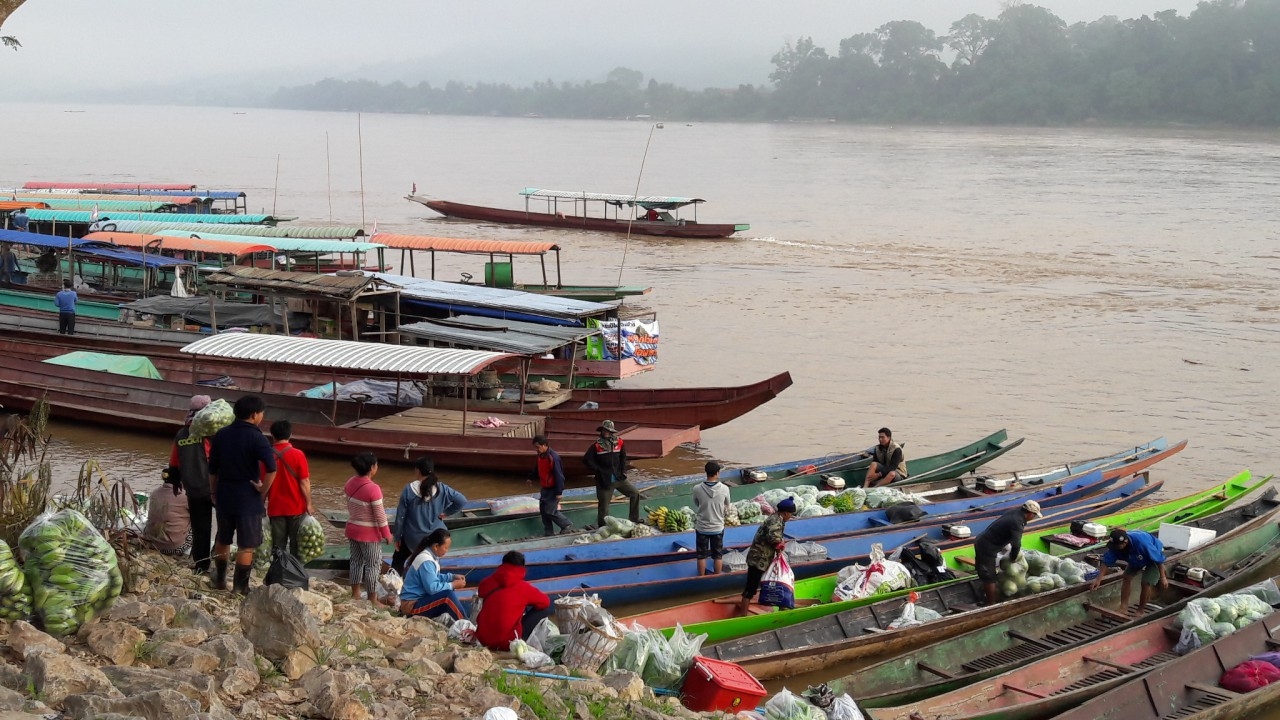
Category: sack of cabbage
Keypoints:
(1037, 572)
(15, 594)
(72, 570)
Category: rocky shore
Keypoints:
(172, 648)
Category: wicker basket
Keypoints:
(589, 646)
(568, 612)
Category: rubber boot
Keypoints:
(219, 574)
(240, 585)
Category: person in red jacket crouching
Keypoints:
(512, 607)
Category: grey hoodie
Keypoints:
(710, 503)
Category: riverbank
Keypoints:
(173, 648)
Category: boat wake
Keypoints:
(813, 246)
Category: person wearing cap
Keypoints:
(765, 546)
(550, 474)
(1006, 530)
(1143, 556)
(168, 527)
(710, 505)
(607, 458)
(888, 464)
(189, 473)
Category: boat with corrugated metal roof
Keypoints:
(655, 215)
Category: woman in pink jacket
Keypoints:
(367, 526)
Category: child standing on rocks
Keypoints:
(367, 526)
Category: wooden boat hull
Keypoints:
(158, 406)
(837, 638)
(669, 547)
(986, 652)
(659, 406)
(684, 229)
(1187, 688)
(665, 580)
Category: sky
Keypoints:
(131, 49)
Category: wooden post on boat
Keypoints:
(465, 393)
(213, 311)
(355, 323)
(524, 379)
(559, 277)
(333, 390)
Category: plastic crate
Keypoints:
(712, 685)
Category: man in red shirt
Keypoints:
(289, 497)
(512, 607)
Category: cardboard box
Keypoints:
(1182, 537)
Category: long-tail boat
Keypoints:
(571, 209)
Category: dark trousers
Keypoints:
(201, 509)
(548, 508)
(531, 620)
(400, 557)
(284, 531)
(66, 323)
(604, 497)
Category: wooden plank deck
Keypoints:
(439, 421)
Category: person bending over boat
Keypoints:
(1006, 531)
(424, 504)
(549, 472)
(512, 607)
(887, 461)
(1144, 558)
(765, 546)
(607, 458)
(427, 592)
(710, 505)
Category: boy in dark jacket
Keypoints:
(512, 607)
(550, 473)
(607, 458)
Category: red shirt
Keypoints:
(506, 595)
(285, 497)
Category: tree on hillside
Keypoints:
(6, 9)
(625, 78)
(969, 38)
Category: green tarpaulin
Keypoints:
(135, 365)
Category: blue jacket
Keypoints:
(65, 300)
(1144, 551)
(424, 578)
(416, 518)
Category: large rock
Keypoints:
(11, 700)
(25, 640)
(279, 620)
(333, 694)
(299, 663)
(180, 657)
(182, 636)
(55, 677)
(627, 684)
(238, 680)
(475, 661)
(148, 617)
(152, 705)
(137, 681)
(486, 698)
(188, 614)
(417, 651)
(231, 651)
(115, 641)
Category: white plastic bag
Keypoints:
(528, 656)
(913, 614)
(500, 713)
(541, 632)
(735, 561)
(464, 631)
(514, 505)
(1197, 629)
(778, 585)
(879, 576)
(787, 706)
(389, 584)
(844, 708)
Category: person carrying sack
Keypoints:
(766, 546)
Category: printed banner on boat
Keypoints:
(639, 341)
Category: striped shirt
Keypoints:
(366, 518)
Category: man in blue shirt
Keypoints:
(19, 220)
(1143, 555)
(234, 458)
(66, 302)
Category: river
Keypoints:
(1085, 288)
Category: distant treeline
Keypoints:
(1220, 64)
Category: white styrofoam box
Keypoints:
(997, 484)
(1095, 530)
(959, 531)
(1181, 537)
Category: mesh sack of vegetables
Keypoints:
(15, 594)
(72, 570)
(212, 418)
(262, 555)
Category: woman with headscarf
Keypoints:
(424, 504)
(189, 474)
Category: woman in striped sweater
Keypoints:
(367, 526)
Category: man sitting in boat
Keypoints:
(651, 215)
(887, 461)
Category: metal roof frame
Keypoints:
(262, 281)
(498, 334)
(85, 217)
(181, 244)
(344, 355)
(654, 201)
(286, 244)
(314, 232)
(463, 245)
(452, 295)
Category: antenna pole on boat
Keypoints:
(328, 175)
(360, 148)
(275, 192)
(634, 209)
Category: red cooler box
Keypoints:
(718, 685)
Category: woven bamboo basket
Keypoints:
(589, 646)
